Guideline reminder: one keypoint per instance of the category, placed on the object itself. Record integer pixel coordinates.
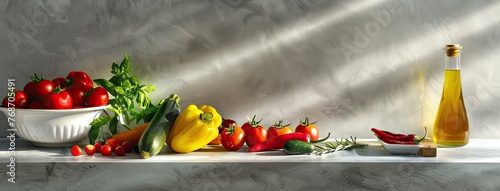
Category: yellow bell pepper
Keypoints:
(194, 128)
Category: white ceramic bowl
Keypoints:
(401, 149)
(54, 127)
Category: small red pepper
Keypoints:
(397, 135)
(279, 141)
(391, 138)
(383, 135)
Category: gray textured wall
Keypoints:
(350, 65)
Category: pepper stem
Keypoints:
(417, 141)
(206, 117)
(320, 140)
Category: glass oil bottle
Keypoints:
(451, 126)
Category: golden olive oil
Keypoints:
(451, 126)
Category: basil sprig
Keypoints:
(128, 98)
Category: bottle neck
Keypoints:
(452, 63)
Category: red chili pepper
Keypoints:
(380, 133)
(383, 135)
(392, 138)
(397, 135)
(279, 141)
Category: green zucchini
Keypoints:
(297, 147)
(155, 135)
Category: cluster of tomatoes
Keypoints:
(110, 146)
(252, 133)
(74, 91)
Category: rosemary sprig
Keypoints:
(343, 144)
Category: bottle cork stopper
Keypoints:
(452, 50)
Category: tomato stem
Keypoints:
(57, 90)
(231, 129)
(280, 125)
(306, 122)
(35, 78)
(253, 123)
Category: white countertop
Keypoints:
(477, 151)
(473, 167)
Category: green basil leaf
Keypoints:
(133, 112)
(148, 88)
(119, 90)
(141, 99)
(100, 121)
(134, 80)
(121, 103)
(124, 78)
(106, 85)
(126, 85)
(113, 125)
(148, 102)
(130, 104)
(148, 113)
(132, 95)
(136, 114)
(115, 69)
(95, 128)
(94, 134)
(115, 110)
(116, 80)
(112, 101)
(125, 65)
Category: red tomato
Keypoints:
(19, 99)
(278, 129)
(98, 146)
(35, 105)
(226, 123)
(119, 151)
(76, 150)
(232, 138)
(98, 97)
(255, 133)
(81, 84)
(106, 150)
(309, 128)
(77, 94)
(78, 78)
(38, 88)
(61, 82)
(90, 149)
(127, 145)
(113, 143)
(58, 99)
